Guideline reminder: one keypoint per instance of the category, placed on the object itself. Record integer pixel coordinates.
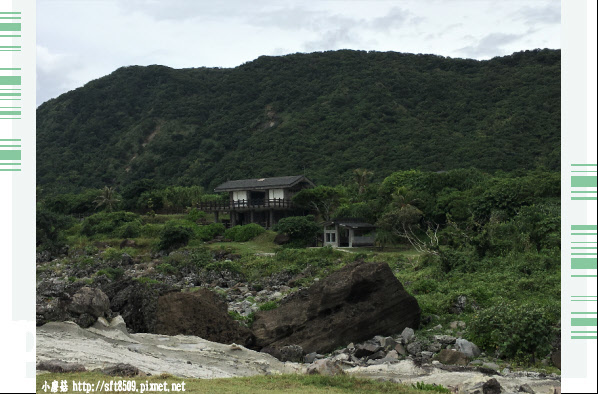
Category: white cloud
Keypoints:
(549, 14)
(54, 73)
(493, 44)
(85, 39)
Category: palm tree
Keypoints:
(403, 197)
(361, 178)
(107, 198)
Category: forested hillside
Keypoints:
(322, 114)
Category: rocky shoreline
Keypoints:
(357, 320)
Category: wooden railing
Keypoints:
(278, 203)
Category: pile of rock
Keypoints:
(244, 301)
(59, 301)
(444, 349)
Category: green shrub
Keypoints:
(83, 262)
(456, 260)
(147, 281)
(193, 260)
(246, 320)
(201, 257)
(112, 273)
(301, 229)
(195, 215)
(90, 250)
(424, 286)
(151, 230)
(112, 254)
(244, 233)
(430, 387)
(226, 265)
(209, 231)
(129, 230)
(68, 204)
(49, 228)
(106, 222)
(269, 305)
(522, 332)
(175, 234)
(166, 268)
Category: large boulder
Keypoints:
(353, 304)
(467, 348)
(90, 301)
(201, 313)
(452, 357)
(492, 387)
(136, 302)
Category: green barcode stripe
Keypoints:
(583, 264)
(10, 155)
(583, 181)
(10, 80)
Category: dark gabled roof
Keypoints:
(262, 183)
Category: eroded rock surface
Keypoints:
(184, 356)
(201, 313)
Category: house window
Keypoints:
(333, 237)
(327, 237)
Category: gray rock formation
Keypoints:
(407, 335)
(58, 366)
(467, 348)
(91, 301)
(452, 357)
(325, 367)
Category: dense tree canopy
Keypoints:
(322, 114)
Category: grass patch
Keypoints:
(147, 281)
(263, 243)
(254, 384)
(268, 306)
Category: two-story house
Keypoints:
(264, 200)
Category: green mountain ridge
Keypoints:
(320, 114)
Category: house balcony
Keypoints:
(247, 205)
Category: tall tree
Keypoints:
(108, 199)
(362, 178)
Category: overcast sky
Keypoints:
(81, 40)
